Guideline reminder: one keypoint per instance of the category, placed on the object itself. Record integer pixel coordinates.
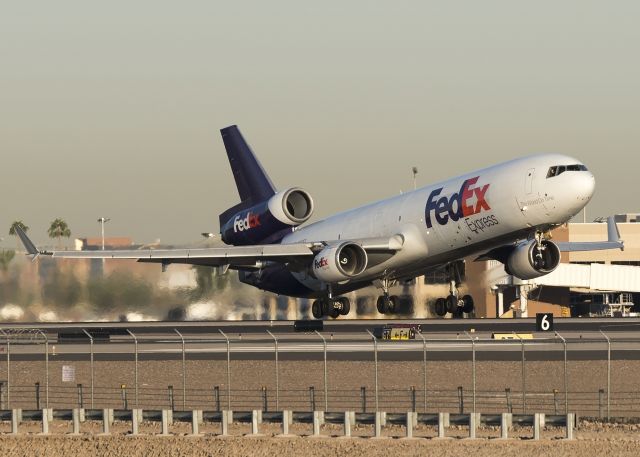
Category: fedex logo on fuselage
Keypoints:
(468, 201)
(240, 224)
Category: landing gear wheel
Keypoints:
(381, 304)
(346, 305)
(452, 303)
(325, 307)
(334, 313)
(441, 307)
(457, 313)
(392, 304)
(316, 309)
(467, 307)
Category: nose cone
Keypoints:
(582, 187)
(586, 185)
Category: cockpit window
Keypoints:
(559, 169)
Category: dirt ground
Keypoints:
(601, 440)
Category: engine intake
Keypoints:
(340, 263)
(268, 221)
(528, 261)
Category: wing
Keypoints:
(231, 255)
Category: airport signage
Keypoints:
(544, 322)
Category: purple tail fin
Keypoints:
(253, 183)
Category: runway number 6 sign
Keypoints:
(544, 322)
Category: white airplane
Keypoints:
(503, 212)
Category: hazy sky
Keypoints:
(114, 108)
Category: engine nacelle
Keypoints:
(340, 262)
(266, 221)
(527, 261)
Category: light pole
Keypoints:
(103, 220)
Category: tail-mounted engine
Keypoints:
(340, 262)
(266, 221)
(532, 259)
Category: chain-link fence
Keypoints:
(307, 372)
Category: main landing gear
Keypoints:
(453, 303)
(332, 307)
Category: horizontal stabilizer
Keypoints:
(28, 244)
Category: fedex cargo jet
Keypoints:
(503, 212)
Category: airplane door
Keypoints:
(528, 184)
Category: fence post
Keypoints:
(46, 367)
(123, 396)
(570, 419)
(8, 405)
(460, 400)
(286, 415)
(80, 396)
(608, 374)
(135, 418)
(505, 419)
(378, 425)
(216, 397)
(106, 421)
(473, 425)
(326, 382)
(473, 368)
(566, 379)
(441, 425)
(135, 342)
(409, 424)
(265, 403)
(165, 422)
(537, 425)
(363, 396)
(275, 342)
(91, 362)
(226, 414)
(76, 421)
(600, 402)
(172, 404)
(184, 372)
(347, 424)
(507, 392)
(524, 373)
(375, 362)
(45, 421)
(555, 401)
(228, 369)
(38, 395)
(424, 369)
(412, 392)
(15, 413)
(312, 397)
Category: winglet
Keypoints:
(613, 233)
(28, 244)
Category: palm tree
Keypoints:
(12, 230)
(59, 229)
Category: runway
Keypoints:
(442, 339)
